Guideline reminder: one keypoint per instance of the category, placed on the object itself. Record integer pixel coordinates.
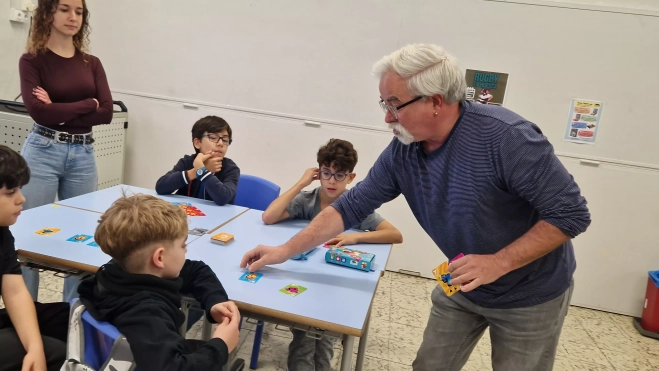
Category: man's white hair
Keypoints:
(428, 69)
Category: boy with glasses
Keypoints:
(336, 162)
(207, 174)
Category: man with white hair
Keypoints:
(482, 181)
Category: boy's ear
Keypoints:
(157, 257)
(196, 143)
(351, 177)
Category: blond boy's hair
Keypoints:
(133, 223)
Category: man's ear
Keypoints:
(157, 257)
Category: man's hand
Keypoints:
(201, 159)
(41, 94)
(214, 163)
(228, 330)
(344, 239)
(473, 270)
(308, 177)
(34, 361)
(222, 310)
(263, 255)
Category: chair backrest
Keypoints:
(255, 193)
(99, 340)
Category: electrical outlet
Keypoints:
(16, 15)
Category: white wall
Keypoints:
(13, 36)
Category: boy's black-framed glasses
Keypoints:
(216, 138)
(327, 175)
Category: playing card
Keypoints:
(251, 277)
(47, 231)
(80, 238)
(198, 231)
(443, 277)
(293, 290)
(182, 203)
(93, 243)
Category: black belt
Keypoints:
(61, 137)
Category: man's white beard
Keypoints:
(404, 136)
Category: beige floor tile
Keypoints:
(562, 364)
(380, 327)
(408, 290)
(627, 361)
(585, 353)
(576, 335)
(403, 353)
(376, 347)
(585, 366)
(393, 366)
(410, 317)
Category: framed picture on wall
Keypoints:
(486, 87)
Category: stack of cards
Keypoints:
(222, 238)
(198, 231)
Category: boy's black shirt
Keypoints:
(145, 309)
(219, 187)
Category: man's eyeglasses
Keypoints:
(327, 175)
(394, 110)
(216, 138)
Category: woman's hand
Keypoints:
(42, 95)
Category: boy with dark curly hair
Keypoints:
(336, 162)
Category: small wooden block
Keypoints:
(222, 238)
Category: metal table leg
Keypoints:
(361, 350)
(346, 359)
(254, 362)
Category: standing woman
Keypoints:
(66, 92)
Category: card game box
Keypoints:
(222, 238)
(350, 258)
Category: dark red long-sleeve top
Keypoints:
(71, 84)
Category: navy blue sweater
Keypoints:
(219, 187)
(493, 179)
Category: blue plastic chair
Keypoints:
(99, 339)
(255, 193)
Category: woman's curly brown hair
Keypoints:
(42, 20)
(339, 153)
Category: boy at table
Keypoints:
(336, 161)
(207, 174)
(139, 291)
(23, 346)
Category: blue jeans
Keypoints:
(57, 169)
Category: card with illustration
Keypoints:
(293, 290)
(251, 277)
(47, 231)
(182, 203)
(443, 277)
(80, 238)
(93, 244)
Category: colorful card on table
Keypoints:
(47, 231)
(251, 277)
(93, 244)
(189, 209)
(293, 290)
(80, 238)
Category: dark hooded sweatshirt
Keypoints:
(145, 309)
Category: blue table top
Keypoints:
(100, 201)
(71, 222)
(335, 294)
